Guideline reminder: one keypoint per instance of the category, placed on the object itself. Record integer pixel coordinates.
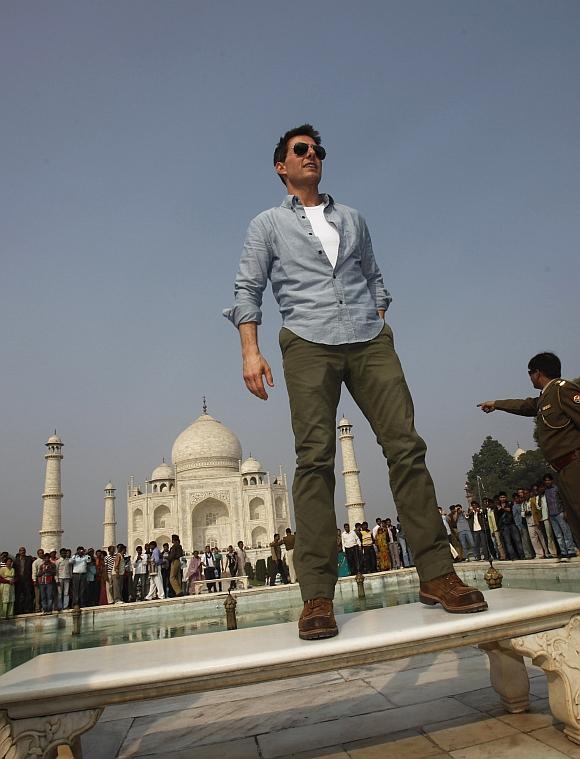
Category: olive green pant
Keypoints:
(568, 480)
(371, 371)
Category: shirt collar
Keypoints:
(548, 385)
(292, 201)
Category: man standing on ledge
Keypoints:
(319, 258)
(557, 410)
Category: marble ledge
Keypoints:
(95, 677)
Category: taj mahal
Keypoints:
(208, 495)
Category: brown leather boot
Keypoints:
(317, 620)
(453, 594)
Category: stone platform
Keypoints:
(433, 705)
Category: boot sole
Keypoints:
(328, 632)
(470, 609)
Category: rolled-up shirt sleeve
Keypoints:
(252, 276)
(372, 272)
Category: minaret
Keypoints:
(354, 502)
(51, 532)
(110, 523)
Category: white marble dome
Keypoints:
(163, 472)
(54, 440)
(206, 443)
(251, 466)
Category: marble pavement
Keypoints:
(431, 705)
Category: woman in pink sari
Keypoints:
(193, 574)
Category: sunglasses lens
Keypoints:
(301, 148)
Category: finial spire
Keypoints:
(204, 405)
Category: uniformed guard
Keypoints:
(557, 410)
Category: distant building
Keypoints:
(110, 521)
(51, 530)
(208, 495)
(355, 506)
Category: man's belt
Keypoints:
(563, 461)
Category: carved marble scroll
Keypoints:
(557, 652)
(39, 737)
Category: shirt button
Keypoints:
(303, 217)
(320, 251)
(310, 233)
(334, 276)
(340, 302)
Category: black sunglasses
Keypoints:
(301, 148)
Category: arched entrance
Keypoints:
(210, 524)
(259, 537)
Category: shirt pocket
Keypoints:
(554, 419)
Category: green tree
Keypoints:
(494, 465)
(529, 469)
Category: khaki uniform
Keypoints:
(557, 410)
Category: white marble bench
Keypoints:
(242, 583)
(54, 698)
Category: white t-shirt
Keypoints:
(326, 233)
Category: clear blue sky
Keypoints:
(136, 145)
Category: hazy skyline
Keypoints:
(137, 144)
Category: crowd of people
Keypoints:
(56, 581)
(532, 524)
(379, 549)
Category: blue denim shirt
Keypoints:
(517, 512)
(554, 507)
(317, 302)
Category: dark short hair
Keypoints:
(281, 149)
(547, 363)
